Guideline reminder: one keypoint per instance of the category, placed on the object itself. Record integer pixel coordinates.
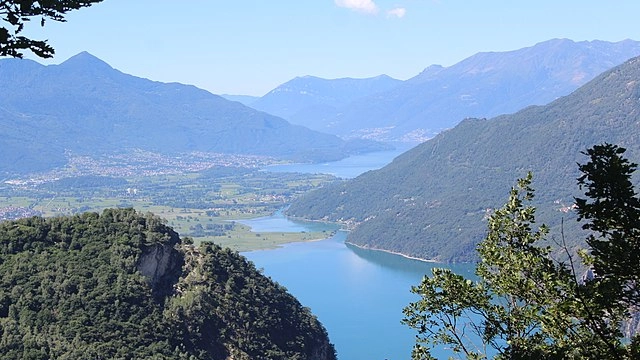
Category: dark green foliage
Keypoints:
(612, 210)
(17, 13)
(525, 305)
(70, 288)
(123, 285)
(249, 310)
(433, 201)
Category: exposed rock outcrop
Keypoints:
(157, 261)
(631, 327)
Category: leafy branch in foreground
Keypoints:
(509, 308)
(524, 304)
(17, 13)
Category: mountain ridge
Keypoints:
(85, 106)
(486, 84)
(308, 97)
(430, 202)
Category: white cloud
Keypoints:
(397, 12)
(364, 6)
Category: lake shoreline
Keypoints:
(284, 244)
(343, 227)
(431, 261)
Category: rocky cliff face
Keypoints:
(158, 261)
(161, 263)
(324, 351)
(631, 327)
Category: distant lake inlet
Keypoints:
(347, 168)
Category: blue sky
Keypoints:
(251, 46)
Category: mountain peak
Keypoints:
(383, 77)
(85, 60)
(428, 73)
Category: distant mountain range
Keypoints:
(243, 99)
(84, 106)
(432, 201)
(311, 100)
(484, 85)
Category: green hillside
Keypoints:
(432, 201)
(84, 106)
(122, 285)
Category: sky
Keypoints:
(249, 47)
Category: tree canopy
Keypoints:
(528, 305)
(123, 285)
(16, 13)
(612, 212)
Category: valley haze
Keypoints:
(134, 169)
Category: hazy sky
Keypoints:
(251, 46)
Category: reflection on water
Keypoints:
(388, 260)
(401, 263)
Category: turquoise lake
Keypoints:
(357, 294)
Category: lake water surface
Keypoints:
(357, 294)
(346, 168)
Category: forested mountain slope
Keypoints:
(123, 285)
(84, 106)
(432, 201)
(487, 84)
